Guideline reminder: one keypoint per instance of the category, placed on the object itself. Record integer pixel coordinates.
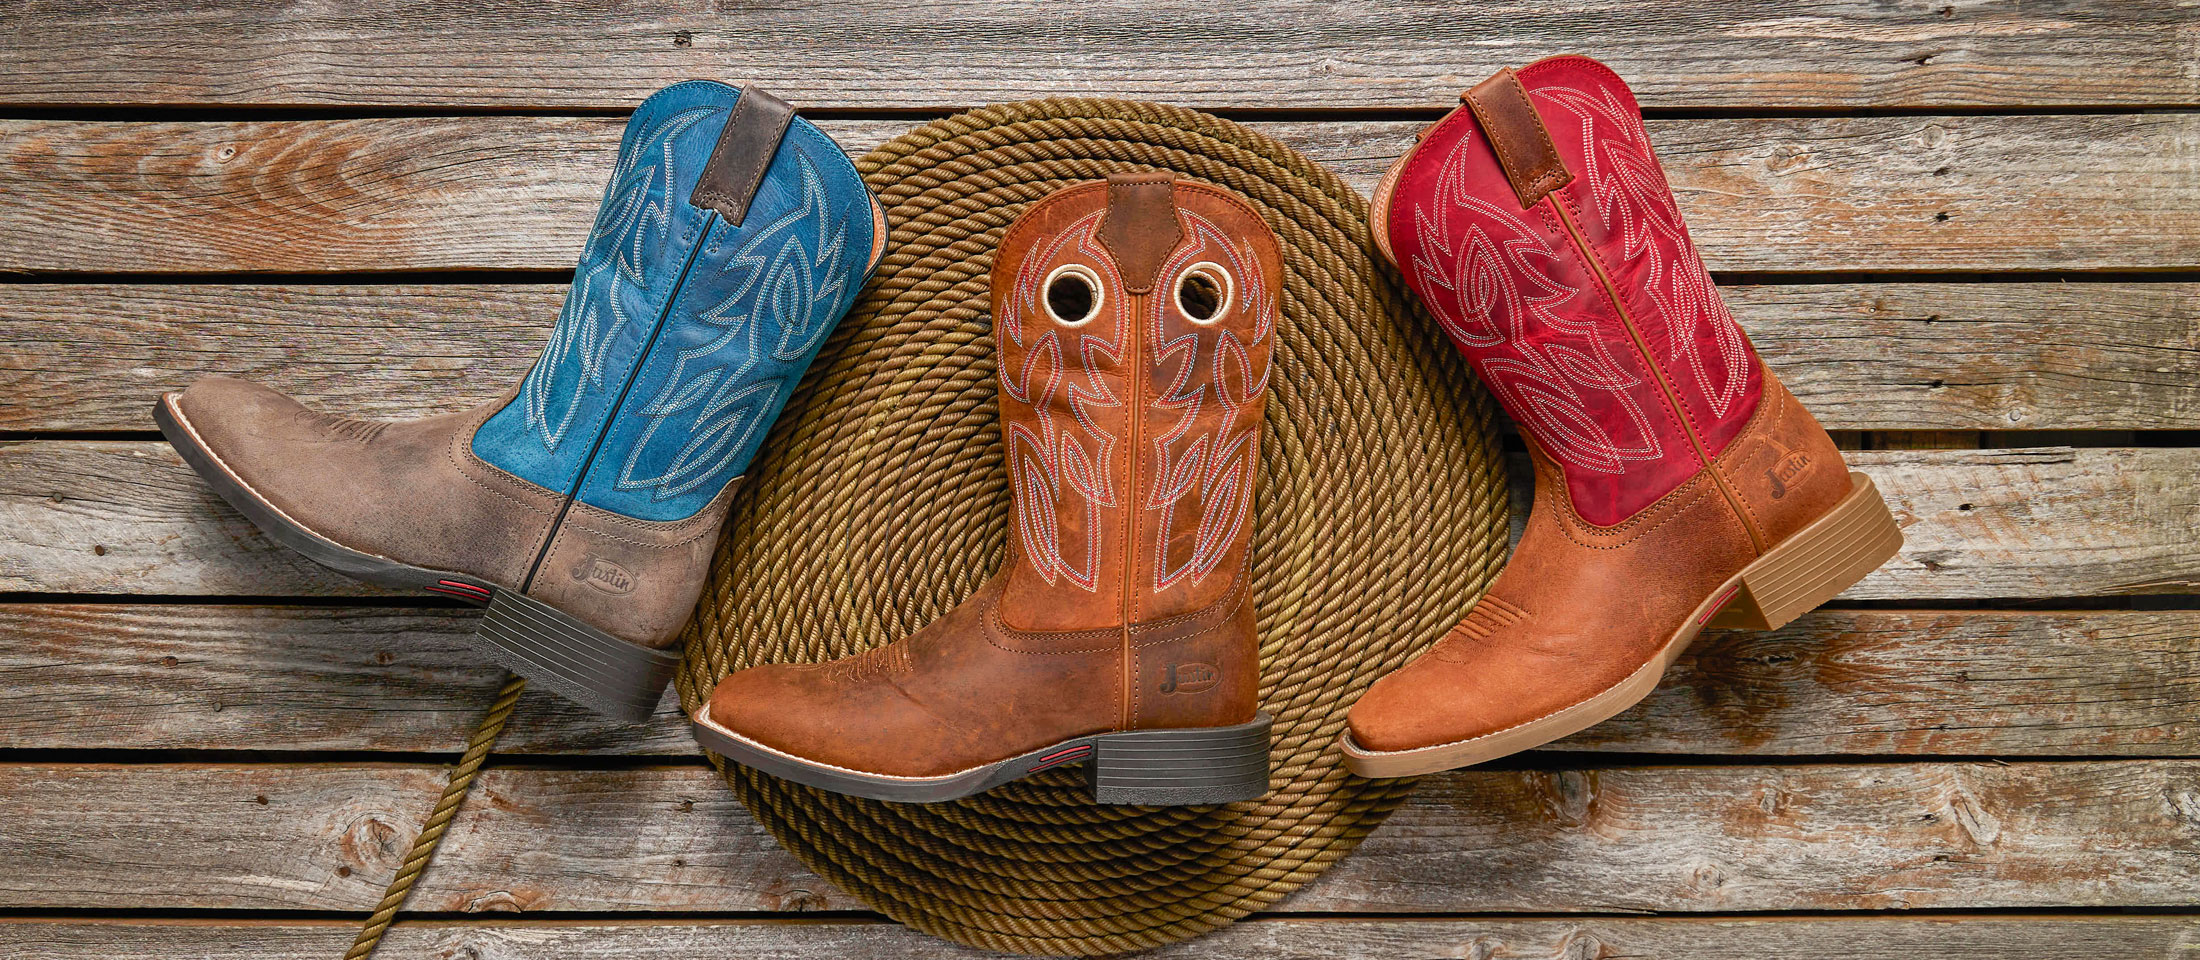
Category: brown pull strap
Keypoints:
(1140, 226)
(745, 149)
(1517, 133)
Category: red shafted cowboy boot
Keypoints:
(1677, 483)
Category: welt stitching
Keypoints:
(1194, 635)
(992, 616)
(1668, 518)
(1570, 518)
(451, 450)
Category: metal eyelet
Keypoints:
(1213, 291)
(1072, 283)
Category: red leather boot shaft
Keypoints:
(1543, 235)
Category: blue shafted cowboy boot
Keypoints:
(583, 506)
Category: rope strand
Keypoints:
(439, 819)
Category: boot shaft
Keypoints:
(731, 237)
(1537, 225)
(1134, 321)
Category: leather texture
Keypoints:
(1666, 457)
(745, 149)
(1517, 135)
(683, 335)
(1132, 434)
(678, 344)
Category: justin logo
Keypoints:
(1790, 465)
(1190, 678)
(604, 575)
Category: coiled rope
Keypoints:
(882, 501)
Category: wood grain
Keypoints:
(1257, 938)
(1595, 839)
(127, 517)
(1277, 53)
(1810, 194)
(1879, 356)
(217, 677)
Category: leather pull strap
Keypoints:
(1517, 133)
(744, 152)
(1140, 226)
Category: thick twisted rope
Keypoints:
(439, 819)
(881, 501)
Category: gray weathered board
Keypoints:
(1947, 223)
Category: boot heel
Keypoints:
(1817, 563)
(1181, 767)
(579, 662)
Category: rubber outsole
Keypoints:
(1797, 575)
(524, 635)
(1178, 767)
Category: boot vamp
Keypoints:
(1577, 611)
(406, 491)
(958, 694)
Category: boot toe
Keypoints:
(237, 420)
(755, 703)
(1401, 713)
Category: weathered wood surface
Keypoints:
(211, 677)
(1903, 193)
(1909, 356)
(1663, 938)
(1282, 53)
(127, 517)
(1595, 839)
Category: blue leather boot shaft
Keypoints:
(683, 335)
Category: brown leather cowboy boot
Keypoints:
(1677, 483)
(583, 506)
(1134, 320)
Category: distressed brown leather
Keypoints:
(634, 579)
(1517, 135)
(1139, 227)
(744, 151)
(1580, 607)
(414, 492)
(1122, 603)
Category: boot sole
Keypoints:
(520, 633)
(1796, 576)
(1180, 767)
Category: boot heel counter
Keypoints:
(1196, 671)
(1783, 466)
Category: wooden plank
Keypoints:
(203, 677)
(1280, 53)
(1903, 356)
(1596, 839)
(127, 517)
(211, 677)
(1809, 194)
(1985, 937)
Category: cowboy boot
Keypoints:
(1677, 483)
(1134, 320)
(582, 506)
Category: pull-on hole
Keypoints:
(1203, 292)
(1073, 294)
